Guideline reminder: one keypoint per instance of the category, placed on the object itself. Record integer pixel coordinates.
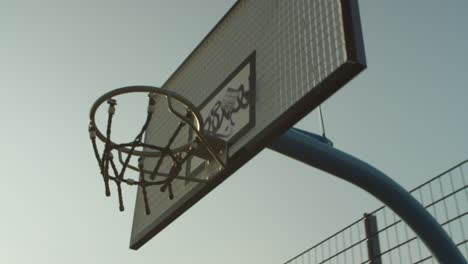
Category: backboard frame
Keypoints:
(356, 62)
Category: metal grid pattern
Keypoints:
(445, 197)
(297, 43)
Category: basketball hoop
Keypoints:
(202, 146)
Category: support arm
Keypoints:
(308, 148)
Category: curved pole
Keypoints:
(318, 152)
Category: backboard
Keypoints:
(262, 68)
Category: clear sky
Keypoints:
(406, 115)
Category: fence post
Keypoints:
(372, 235)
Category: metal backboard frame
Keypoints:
(298, 52)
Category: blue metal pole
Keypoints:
(317, 152)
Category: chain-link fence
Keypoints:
(381, 237)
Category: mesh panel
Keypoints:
(297, 43)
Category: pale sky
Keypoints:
(406, 115)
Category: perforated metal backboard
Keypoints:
(262, 68)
